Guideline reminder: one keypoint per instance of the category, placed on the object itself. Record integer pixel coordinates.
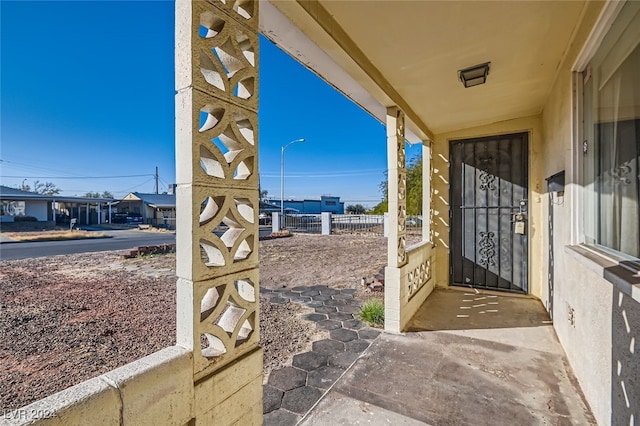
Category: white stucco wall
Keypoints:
(37, 209)
(596, 323)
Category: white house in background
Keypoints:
(49, 210)
(155, 209)
(15, 203)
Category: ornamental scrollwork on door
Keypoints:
(487, 165)
(487, 181)
(487, 250)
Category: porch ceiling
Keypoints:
(412, 50)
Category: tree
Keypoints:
(105, 194)
(357, 209)
(414, 189)
(44, 188)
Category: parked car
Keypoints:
(264, 219)
(118, 218)
(134, 218)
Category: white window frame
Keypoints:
(607, 17)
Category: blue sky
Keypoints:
(87, 93)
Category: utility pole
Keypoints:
(156, 179)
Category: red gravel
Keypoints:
(58, 329)
(66, 319)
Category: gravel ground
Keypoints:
(66, 319)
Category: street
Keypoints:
(121, 240)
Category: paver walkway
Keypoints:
(292, 391)
(473, 359)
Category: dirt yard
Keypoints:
(66, 319)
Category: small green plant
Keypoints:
(372, 312)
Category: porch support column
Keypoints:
(426, 191)
(217, 291)
(396, 242)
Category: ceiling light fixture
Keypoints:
(474, 75)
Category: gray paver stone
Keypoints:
(334, 302)
(326, 309)
(329, 292)
(358, 345)
(353, 324)
(341, 317)
(280, 418)
(315, 304)
(315, 317)
(300, 289)
(309, 360)
(368, 333)
(321, 298)
(278, 300)
(300, 299)
(324, 377)
(328, 324)
(342, 359)
(343, 335)
(271, 398)
(308, 293)
(342, 296)
(300, 400)
(348, 309)
(287, 378)
(327, 347)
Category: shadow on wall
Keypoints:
(625, 369)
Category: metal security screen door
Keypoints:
(488, 212)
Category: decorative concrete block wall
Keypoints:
(217, 184)
(214, 375)
(408, 270)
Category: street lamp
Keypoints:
(282, 176)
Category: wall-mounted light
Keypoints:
(474, 75)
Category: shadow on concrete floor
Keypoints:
(486, 359)
(465, 309)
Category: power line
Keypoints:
(72, 177)
(15, 164)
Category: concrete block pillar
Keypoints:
(396, 241)
(396, 157)
(426, 191)
(326, 223)
(217, 294)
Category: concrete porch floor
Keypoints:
(471, 358)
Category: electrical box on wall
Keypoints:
(555, 183)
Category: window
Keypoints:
(611, 132)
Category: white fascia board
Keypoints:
(281, 31)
